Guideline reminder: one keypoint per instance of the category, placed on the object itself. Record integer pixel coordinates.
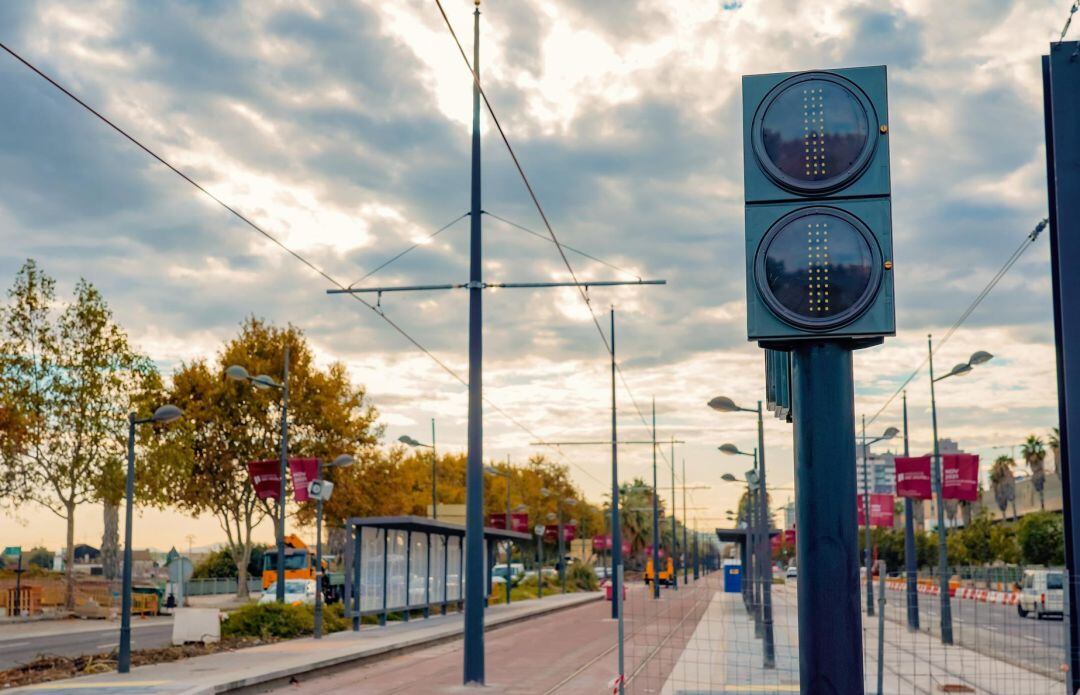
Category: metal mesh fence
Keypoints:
(1007, 625)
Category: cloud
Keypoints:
(343, 128)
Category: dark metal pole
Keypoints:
(866, 517)
(911, 561)
(1061, 103)
(318, 560)
(539, 566)
(766, 585)
(474, 472)
(562, 551)
(434, 475)
(761, 534)
(697, 557)
(616, 530)
(674, 537)
(124, 658)
(827, 543)
(509, 544)
(685, 545)
(943, 557)
(280, 588)
(655, 514)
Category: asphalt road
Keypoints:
(993, 630)
(18, 649)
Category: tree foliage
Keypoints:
(69, 378)
(228, 424)
(1041, 537)
(1034, 453)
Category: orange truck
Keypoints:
(299, 562)
(666, 573)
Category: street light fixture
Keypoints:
(264, 382)
(978, 357)
(340, 462)
(889, 433)
(409, 441)
(163, 415)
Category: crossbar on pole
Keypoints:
(490, 285)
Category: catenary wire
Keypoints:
(538, 235)
(428, 238)
(1029, 239)
(295, 254)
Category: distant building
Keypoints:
(881, 474)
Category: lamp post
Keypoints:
(491, 470)
(568, 501)
(409, 441)
(339, 462)
(164, 414)
(724, 404)
(263, 382)
(962, 369)
(888, 434)
(911, 567)
(763, 611)
(538, 531)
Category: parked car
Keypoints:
(297, 592)
(792, 572)
(1042, 592)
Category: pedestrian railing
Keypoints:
(219, 585)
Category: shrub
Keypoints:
(269, 621)
(1041, 538)
(582, 577)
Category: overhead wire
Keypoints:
(538, 235)
(539, 208)
(428, 238)
(1068, 20)
(1029, 239)
(276, 241)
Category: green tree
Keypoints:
(76, 377)
(220, 564)
(1041, 538)
(228, 424)
(1034, 453)
(1003, 545)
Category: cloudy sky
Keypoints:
(343, 128)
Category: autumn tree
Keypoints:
(227, 424)
(72, 377)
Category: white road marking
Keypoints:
(110, 645)
(1033, 639)
(13, 644)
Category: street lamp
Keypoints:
(409, 441)
(264, 382)
(163, 415)
(888, 434)
(723, 404)
(339, 462)
(570, 502)
(491, 470)
(962, 369)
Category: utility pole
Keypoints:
(674, 538)
(474, 484)
(655, 513)
(911, 562)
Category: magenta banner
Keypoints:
(518, 521)
(601, 543)
(551, 533)
(881, 510)
(303, 471)
(960, 477)
(913, 477)
(266, 478)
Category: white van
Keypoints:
(1042, 592)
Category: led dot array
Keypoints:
(817, 251)
(814, 131)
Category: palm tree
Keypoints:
(1003, 483)
(1054, 442)
(1034, 453)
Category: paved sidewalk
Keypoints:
(723, 656)
(244, 668)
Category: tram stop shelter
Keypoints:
(399, 564)
(741, 537)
